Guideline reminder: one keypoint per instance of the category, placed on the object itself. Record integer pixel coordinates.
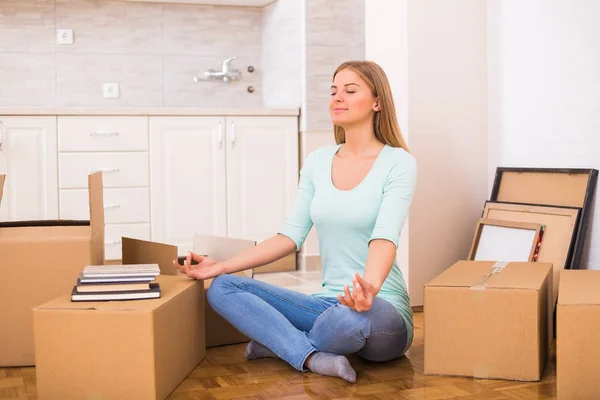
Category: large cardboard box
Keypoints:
(136, 349)
(489, 320)
(40, 260)
(577, 339)
(219, 332)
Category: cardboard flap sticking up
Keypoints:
(2, 179)
(96, 197)
(578, 287)
(221, 248)
(513, 275)
(136, 251)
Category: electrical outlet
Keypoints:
(64, 36)
(110, 90)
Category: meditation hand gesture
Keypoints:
(205, 269)
(361, 298)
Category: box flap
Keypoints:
(96, 198)
(2, 179)
(222, 248)
(550, 186)
(513, 275)
(578, 287)
(169, 286)
(136, 251)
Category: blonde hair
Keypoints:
(385, 123)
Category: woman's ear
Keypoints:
(376, 107)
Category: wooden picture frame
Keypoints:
(521, 241)
(559, 233)
(555, 187)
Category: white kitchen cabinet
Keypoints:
(187, 178)
(262, 174)
(117, 146)
(228, 176)
(28, 157)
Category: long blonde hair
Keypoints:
(385, 123)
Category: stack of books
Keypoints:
(117, 282)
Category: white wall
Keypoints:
(388, 19)
(437, 67)
(544, 97)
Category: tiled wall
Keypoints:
(334, 34)
(153, 51)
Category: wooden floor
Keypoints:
(226, 374)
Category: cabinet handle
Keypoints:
(232, 134)
(111, 242)
(107, 206)
(220, 134)
(104, 133)
(103, 170)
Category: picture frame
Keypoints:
(555, 187)
(510, 241)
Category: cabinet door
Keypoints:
(187, 179)
(262, 174)
(29, 159)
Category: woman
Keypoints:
(357, 193)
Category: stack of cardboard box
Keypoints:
(493, 318)
(122, 349)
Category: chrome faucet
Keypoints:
(226, 74)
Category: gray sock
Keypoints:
(256, 350)
(331, 365)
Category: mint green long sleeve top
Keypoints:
(347, 220)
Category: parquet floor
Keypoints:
(226, 374)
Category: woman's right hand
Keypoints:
(205, 269)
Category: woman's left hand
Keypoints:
(361, 297)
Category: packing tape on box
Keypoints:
(480, 369)
(494, 270)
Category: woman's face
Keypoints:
(351, 100)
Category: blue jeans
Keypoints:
(294, 325)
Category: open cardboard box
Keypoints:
(219, 332)
(40, 260)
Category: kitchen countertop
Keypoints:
(153, 111)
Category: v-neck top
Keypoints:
(347, 220)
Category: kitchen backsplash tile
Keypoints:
(181, 91)
(324, 19)
(27, 79)
(138, 45)
(153, 50)
(80, 79)
(211, 30)
(110, 27)
(27, 26)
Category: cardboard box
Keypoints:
(489, 320)
(578, 343)
(219, 332)
(136, 349)
(40, 260)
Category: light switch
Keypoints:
(64, 36)
(110, 90)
